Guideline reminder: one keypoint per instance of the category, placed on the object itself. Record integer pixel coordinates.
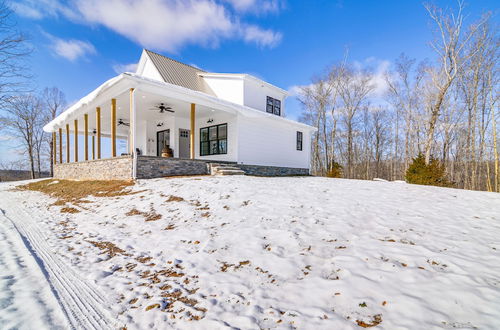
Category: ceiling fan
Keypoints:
(121, 122)
(162, 108)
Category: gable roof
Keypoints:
(180, 74)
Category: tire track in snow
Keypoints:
(82, 304)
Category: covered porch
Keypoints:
(128, 119)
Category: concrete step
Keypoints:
(230, 172)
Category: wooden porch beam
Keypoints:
(113, 127)
(76, 140)
(54, 148)
(98, 128)
(60, 146)
(191, 134)
(86, 134)
(67, 144)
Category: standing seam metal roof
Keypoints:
(179, 74)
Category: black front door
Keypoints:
(162, 140)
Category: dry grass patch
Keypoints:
(69, 210)
(109, 248)
(148, 216)
(75, 191)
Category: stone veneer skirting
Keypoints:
(156, 167)
(120, 168)
(259, 170)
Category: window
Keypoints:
(273, 106)
(299, 140)
(213, 140)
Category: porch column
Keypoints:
(132, 122)
(191, 135)
(98, 127)
(113, 127)
(93, 146)
(67, 144)
(54, 147)
(86, 134)
(60, 145)
(76, 140)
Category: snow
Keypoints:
(248, 252)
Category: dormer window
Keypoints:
(273, 106)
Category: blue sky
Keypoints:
(81, 43)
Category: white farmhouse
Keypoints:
(179, 120)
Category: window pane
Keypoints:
(277, 111)
(223, 146)
(277, 103)
(222, 131)
(204, 148)
(204, 134)
(212, 133)
(269, 108)
(214, 148)
(270, 100)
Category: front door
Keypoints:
(184, 143)
(162, 140)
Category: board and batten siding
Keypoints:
(268, 142)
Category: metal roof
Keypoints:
(179, 74)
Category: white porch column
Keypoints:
(133, 131)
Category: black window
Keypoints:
(213, 140)
(299, 140)
(273, 106)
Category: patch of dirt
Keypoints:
(377, 319)
(69, 191)
(148, 216)
(109, 248)
(173, 198)
(69, 210)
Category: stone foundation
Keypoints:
(259, 170)
(156, 167)
(119, 168)
(148, 167)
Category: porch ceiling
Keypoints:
(145, 109)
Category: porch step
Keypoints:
(225, 169)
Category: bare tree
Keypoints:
(14, 73)
(354, 87)
(22, 119)
(54, 101)
(450, 45)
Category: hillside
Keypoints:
(249, 253)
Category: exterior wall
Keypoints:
(150, 71)
(229, 89)
(155, 167)
(119, 168)
(255, 95)
(219, 117)
(263, 141)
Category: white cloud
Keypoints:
(260, 36)
(257, 6)
(70, 49)
(165, 25)
(121, 68)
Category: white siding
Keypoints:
(150, 71)
(269, 142)
(227, 88)
(232, 135)
(255, 95)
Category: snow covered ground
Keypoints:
(249, 253)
